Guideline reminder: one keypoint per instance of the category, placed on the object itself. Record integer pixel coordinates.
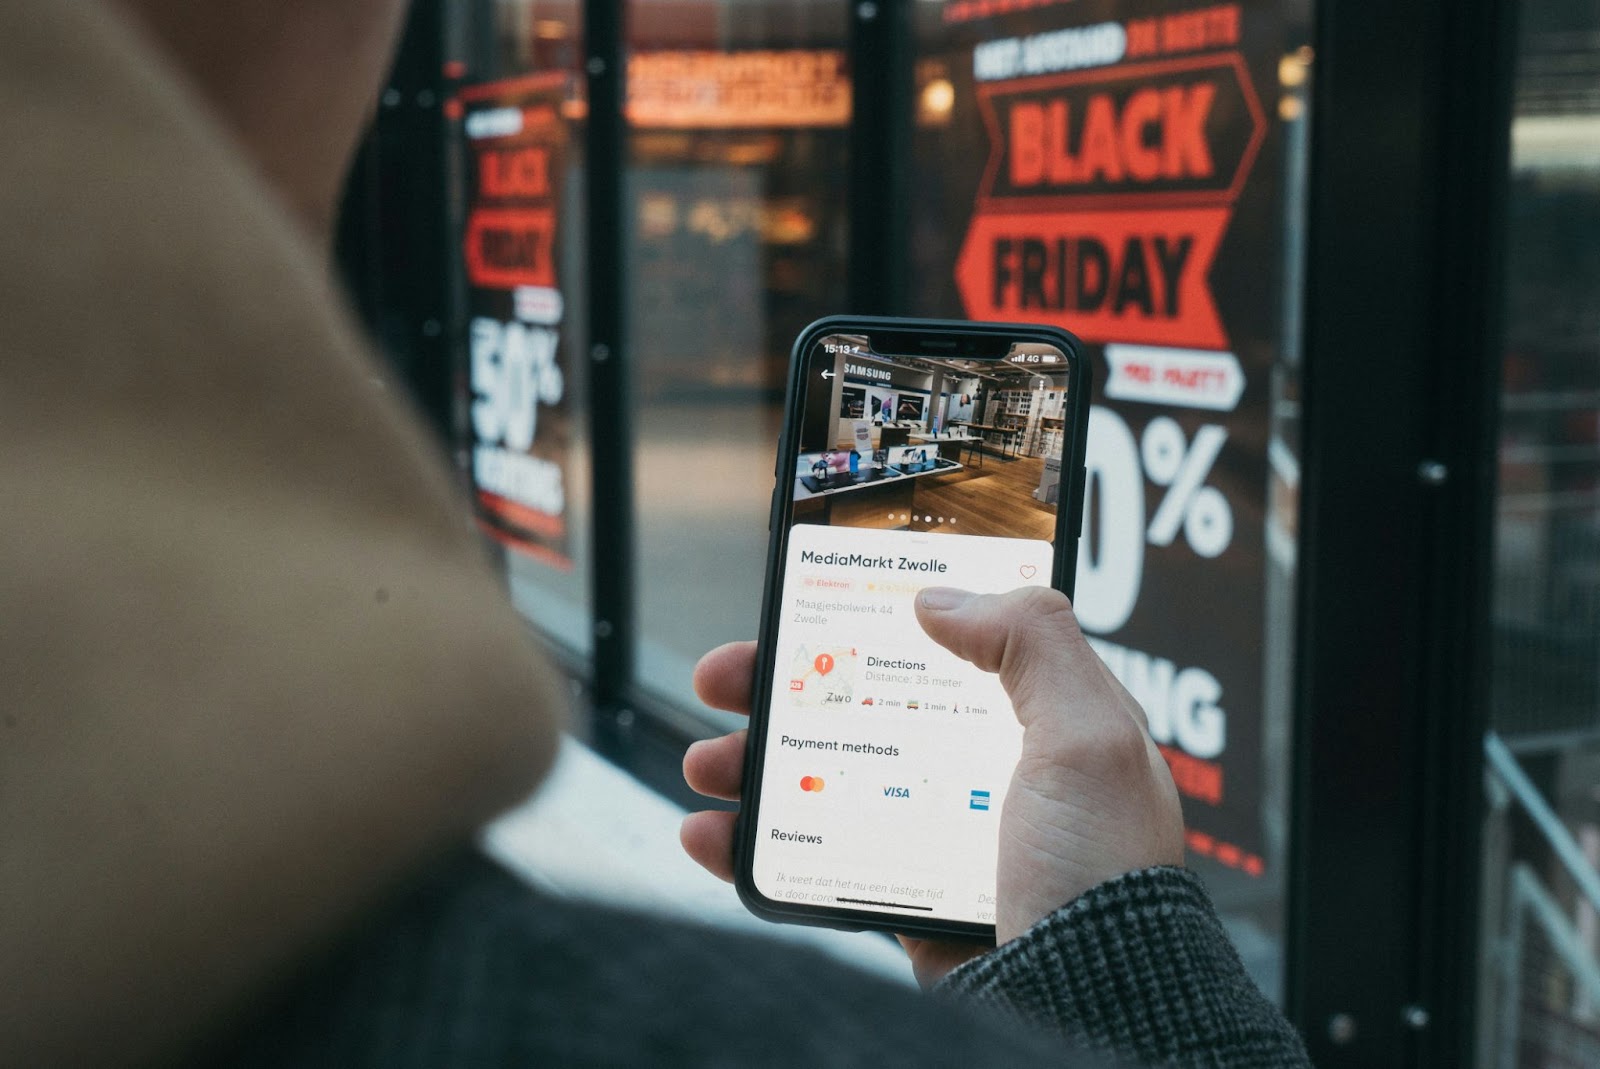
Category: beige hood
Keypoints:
(253, 667)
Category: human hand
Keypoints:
(715, 768)
(1091, 797)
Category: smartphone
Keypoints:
(877, 762)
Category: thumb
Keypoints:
(1029, 637)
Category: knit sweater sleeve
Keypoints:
(1138, 967)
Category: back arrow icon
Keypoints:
(827, 374)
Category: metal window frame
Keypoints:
(1408, 174)
(392, 244)
(1410, 130)
(610, 406)
(630, 726)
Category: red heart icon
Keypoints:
(1027, 571)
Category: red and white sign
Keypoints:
(739, 90)
(513, 142)
(510, 247)
(1186, 378)
(1131, 276)
(538, 304)
(1118, 198)
(1105, 196)
(1167, 133)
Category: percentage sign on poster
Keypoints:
(1111, 559)
(1182, 467)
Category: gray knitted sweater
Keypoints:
(470, 968)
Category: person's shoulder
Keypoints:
(472, 967)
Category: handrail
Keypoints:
(1530, 898)
(1504, 766)
(1528, 893)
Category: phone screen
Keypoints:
(886, 759)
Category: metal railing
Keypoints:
(1517, 898)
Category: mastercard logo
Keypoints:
(811, 783)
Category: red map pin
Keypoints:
(824, 663)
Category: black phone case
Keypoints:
(1069, 521)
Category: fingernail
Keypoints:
(944, 598)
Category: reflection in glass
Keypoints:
(526, 53)
(1540, 976)
(738, 126)
(1134, 172)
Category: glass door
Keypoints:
(1134, 172)
(738, 118)
(516, 115)
(1540, 979)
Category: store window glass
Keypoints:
(516, 118)
(1133, 171)
(738, 119)
(1540, 973)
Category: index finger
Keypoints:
(724, 676)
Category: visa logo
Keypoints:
(897, 792)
